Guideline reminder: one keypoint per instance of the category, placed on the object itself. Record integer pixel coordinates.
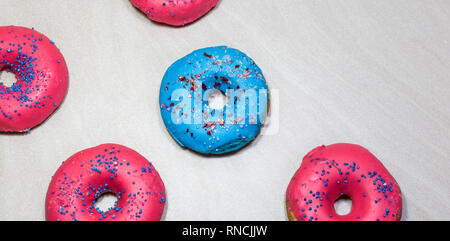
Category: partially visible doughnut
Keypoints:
(108, 168)
(329, 172)
(42, 78)
(174, 12)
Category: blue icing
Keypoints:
(184, 94)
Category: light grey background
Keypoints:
(375, 73)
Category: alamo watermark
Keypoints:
(227, 107)
(248, 231)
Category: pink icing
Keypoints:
(42, 78)
(107, 168)
(328, 172)
(174, 12)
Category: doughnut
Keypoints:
(41, 78)
(187, 87)
(108, 168)
(330, 172)
(174, 12)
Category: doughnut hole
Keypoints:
(7, 78)
(343, 205)
(216, 99)
(106, 202)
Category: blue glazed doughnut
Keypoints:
(185, 94)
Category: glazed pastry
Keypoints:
(108, 168)
(185, 95)
(42, 78)
(330, 172)
(174, 12)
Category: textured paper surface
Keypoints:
(375, 73)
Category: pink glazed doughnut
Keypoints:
(42, 78)
(174, 12)
(329, 172)
(107, 168)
